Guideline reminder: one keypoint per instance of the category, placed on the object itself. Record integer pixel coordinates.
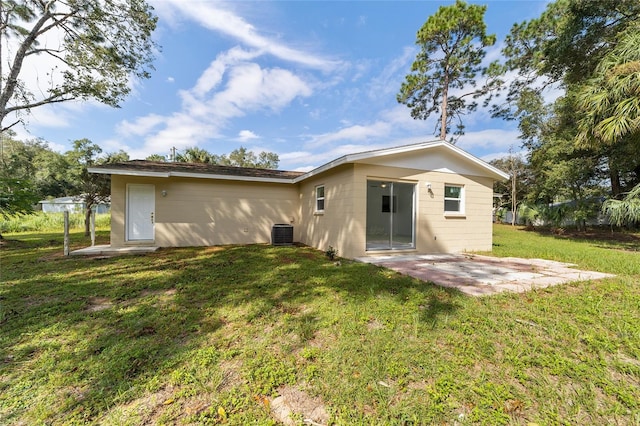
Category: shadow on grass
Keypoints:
(96, 333)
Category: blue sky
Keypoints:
(308, 80)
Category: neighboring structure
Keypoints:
(70, 204)
(430, 197)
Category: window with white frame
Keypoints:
(320, 198)
(453, 199)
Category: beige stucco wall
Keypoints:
(343, 223)
(436, 232)
(337, 226)
(203, 212)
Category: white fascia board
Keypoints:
(141, 173)
(353, 158)
(478, 161)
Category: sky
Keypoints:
(308, 80)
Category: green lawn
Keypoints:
(210, 335)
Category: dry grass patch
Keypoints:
(294, 405)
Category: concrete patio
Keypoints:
(478, 275)
(107, 250)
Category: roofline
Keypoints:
(144, 173)
(352, 158)
(345, 159)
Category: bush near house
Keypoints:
(212, 335)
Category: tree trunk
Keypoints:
(514, 192)
(614, 175)
(87, 221)
(443, 116)
(11, 80)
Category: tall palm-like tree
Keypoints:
(610, 102)
(625, 211)
(195, 155)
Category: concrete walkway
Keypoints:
(477, 275)
(107, 250)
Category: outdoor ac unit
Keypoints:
(282, 234)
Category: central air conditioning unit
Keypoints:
(282, 234)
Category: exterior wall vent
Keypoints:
(282, 234)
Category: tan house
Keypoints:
(430, 197)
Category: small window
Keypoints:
(320, 198)
(453, 201)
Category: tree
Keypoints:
(195, 155)
(103, 45)
(92, 189)
(157, 157)
(626, 211)
(17, 193)
(452, 46)
(52, 177)
(29, 171)
(586, 48)
(566, 43)
(609, 102)
(16, 196)
(518, 185)
(34, 163)
(240, 157)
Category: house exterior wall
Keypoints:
(435, 231)
(343, 223)
(336, 226)
(203, 212)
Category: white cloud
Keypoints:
(171, 79)
(295, 157)
(246, 135)
(49, 116)
(353, 133)
(313, 160)
(213, 16)
(400, 116)
(387, 83)
(489, 138)
(360, 68)
(495, 155)
(213, 75)
(552, 93)
(140, 126)
(242, 88)
(252, 88)
(493, 53)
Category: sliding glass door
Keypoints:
(390, 215)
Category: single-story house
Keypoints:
(430, 197)
(69, 204)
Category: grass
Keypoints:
(49, 222)
(211, 335)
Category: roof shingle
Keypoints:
(199, 168)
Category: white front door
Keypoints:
(141, 204)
